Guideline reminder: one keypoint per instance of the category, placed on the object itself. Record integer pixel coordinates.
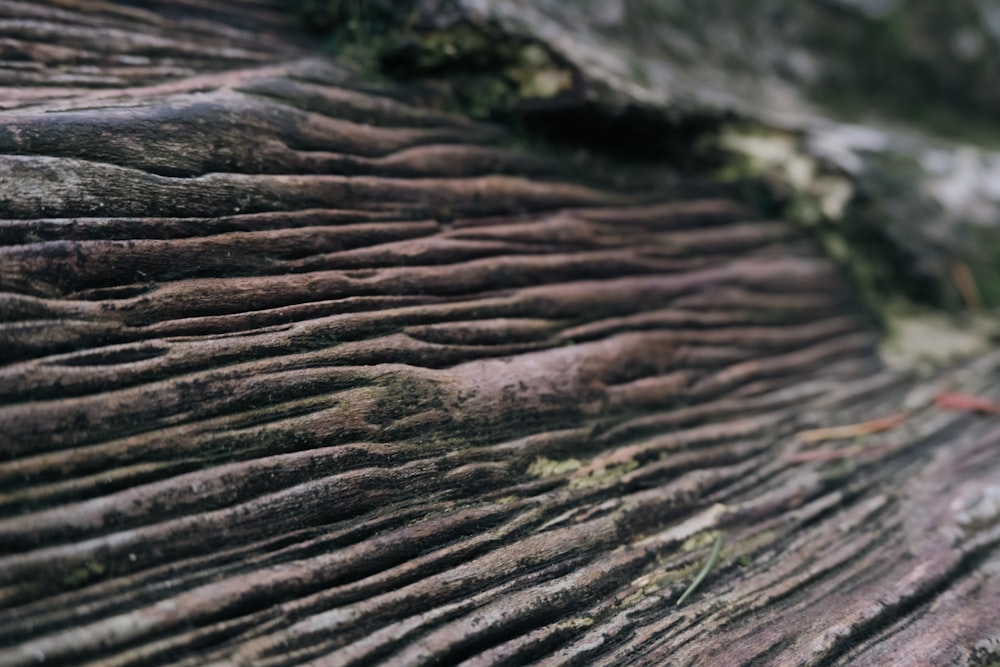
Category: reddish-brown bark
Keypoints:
(295, 370)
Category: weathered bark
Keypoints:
(906, 200)
(293, 370)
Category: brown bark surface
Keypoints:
(293, 369)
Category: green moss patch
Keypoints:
(544, 467)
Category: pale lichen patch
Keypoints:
(545, 467)
(576, 623)
(929, 339)
(700, 541)
(605, 475)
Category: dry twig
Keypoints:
(852, 430)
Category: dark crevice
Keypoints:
(486, 73)
(633, 133)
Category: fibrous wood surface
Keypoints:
(296, 370)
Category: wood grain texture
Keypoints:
(294, 370)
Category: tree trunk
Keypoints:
(295, 368)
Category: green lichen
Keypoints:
(609, 474)
(575, 623)
(489, 73)
(477, 70)
(643, 592)
(544, 467)
(807, 193)
(83, 575)
(700, 540)
(460, 47)
(656, 581)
